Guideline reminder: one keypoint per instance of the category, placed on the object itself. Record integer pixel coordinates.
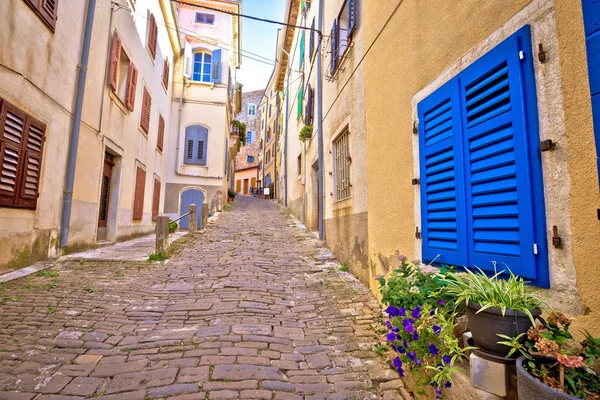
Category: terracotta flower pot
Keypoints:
(488, 323)
(530, 388)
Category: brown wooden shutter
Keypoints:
(146, 107)
(138, 199)
(155, 199)
(115, 59)
(12, 136)
(161, 133)
(166, 74)
(31, 154)
(131, 86)
(152, 36)
(48, 10)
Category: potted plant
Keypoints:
(495, 306)
(172, 227)
(553, 365)
(231, 195)
(305, 133)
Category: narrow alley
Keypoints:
(253, 307)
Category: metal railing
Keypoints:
(162, 228)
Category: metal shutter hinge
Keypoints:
(417, 233)
(546, 145)
(415, 181)
(556, 240)
(535, 249)
(415, 128)
(542, 56)
(521, 55)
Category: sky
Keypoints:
(259, 38)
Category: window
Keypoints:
(161, 133)
(311, 44)
(268, 156)
(341, 33)
(341, 166)
(207, 66)
(302, 45)
(482, 198)
(268, 179)
(204, 18)
(299, 165)
(196, 142)
(300, 99)
(45, 9)
(152, 36)
(252, 110)
(156, 198)
(202, 67)
(146, 110)
(165, 79)
(310, 106)
(250, 137)
(138, 197)
(21, 147)
(123, 74)
(591, 19)
(250, 159)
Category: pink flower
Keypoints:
(570, 361)
(547, 347)
(534, 332)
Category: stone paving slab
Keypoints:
(252, 308)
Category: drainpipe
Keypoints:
(76, 126)
(320, 118)
(179, 123)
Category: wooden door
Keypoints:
(246, 186)
(238, 185)
(105, 194)
(188, 197)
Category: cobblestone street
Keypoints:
(251, 308)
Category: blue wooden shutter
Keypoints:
(333, 39)
(202, 145)
(216, 66)
(351, 19)
(591, 19)
(442, 178)
(196, 145)
(502, 160)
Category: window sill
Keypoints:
(200, 83)
(152, 57)
(143, 132)
(117, 100)
(342, 204)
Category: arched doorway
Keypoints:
(191, 196)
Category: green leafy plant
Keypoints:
(576, 369)
(227, 207)
(89, 289)
(161, 256)
(231, 193)
(493, 291)
(51, 310)
(343, 268)
(240, 129)
(305, 133)
(173, 226)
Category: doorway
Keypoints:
(246, 182)
(105, 197)
(191, 196)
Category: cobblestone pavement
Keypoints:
(251, 308)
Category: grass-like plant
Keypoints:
(493, 291)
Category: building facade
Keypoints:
(247, 160)
(119, 170)
(200, 167)
(491, 111)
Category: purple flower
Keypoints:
(402, 257)
(436, 329)
(401, 372)
(448, 384)
(418, 362)
(388, 324)
(442, 302)
(408, 327)
(401, 350)
(433, 350)
(412, 355)
(392, 337)
(393, 311)
(397, 363)
(405, 344)
(446, 359)
(438, 393)
(416, 313)
(416, 261)
(415, 336)
(431, 313)
(402, 311)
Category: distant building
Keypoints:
(247, 160)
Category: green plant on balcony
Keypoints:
(305, 133)
(239, 128)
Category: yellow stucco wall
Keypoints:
(426, 43)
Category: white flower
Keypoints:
(413, 290)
